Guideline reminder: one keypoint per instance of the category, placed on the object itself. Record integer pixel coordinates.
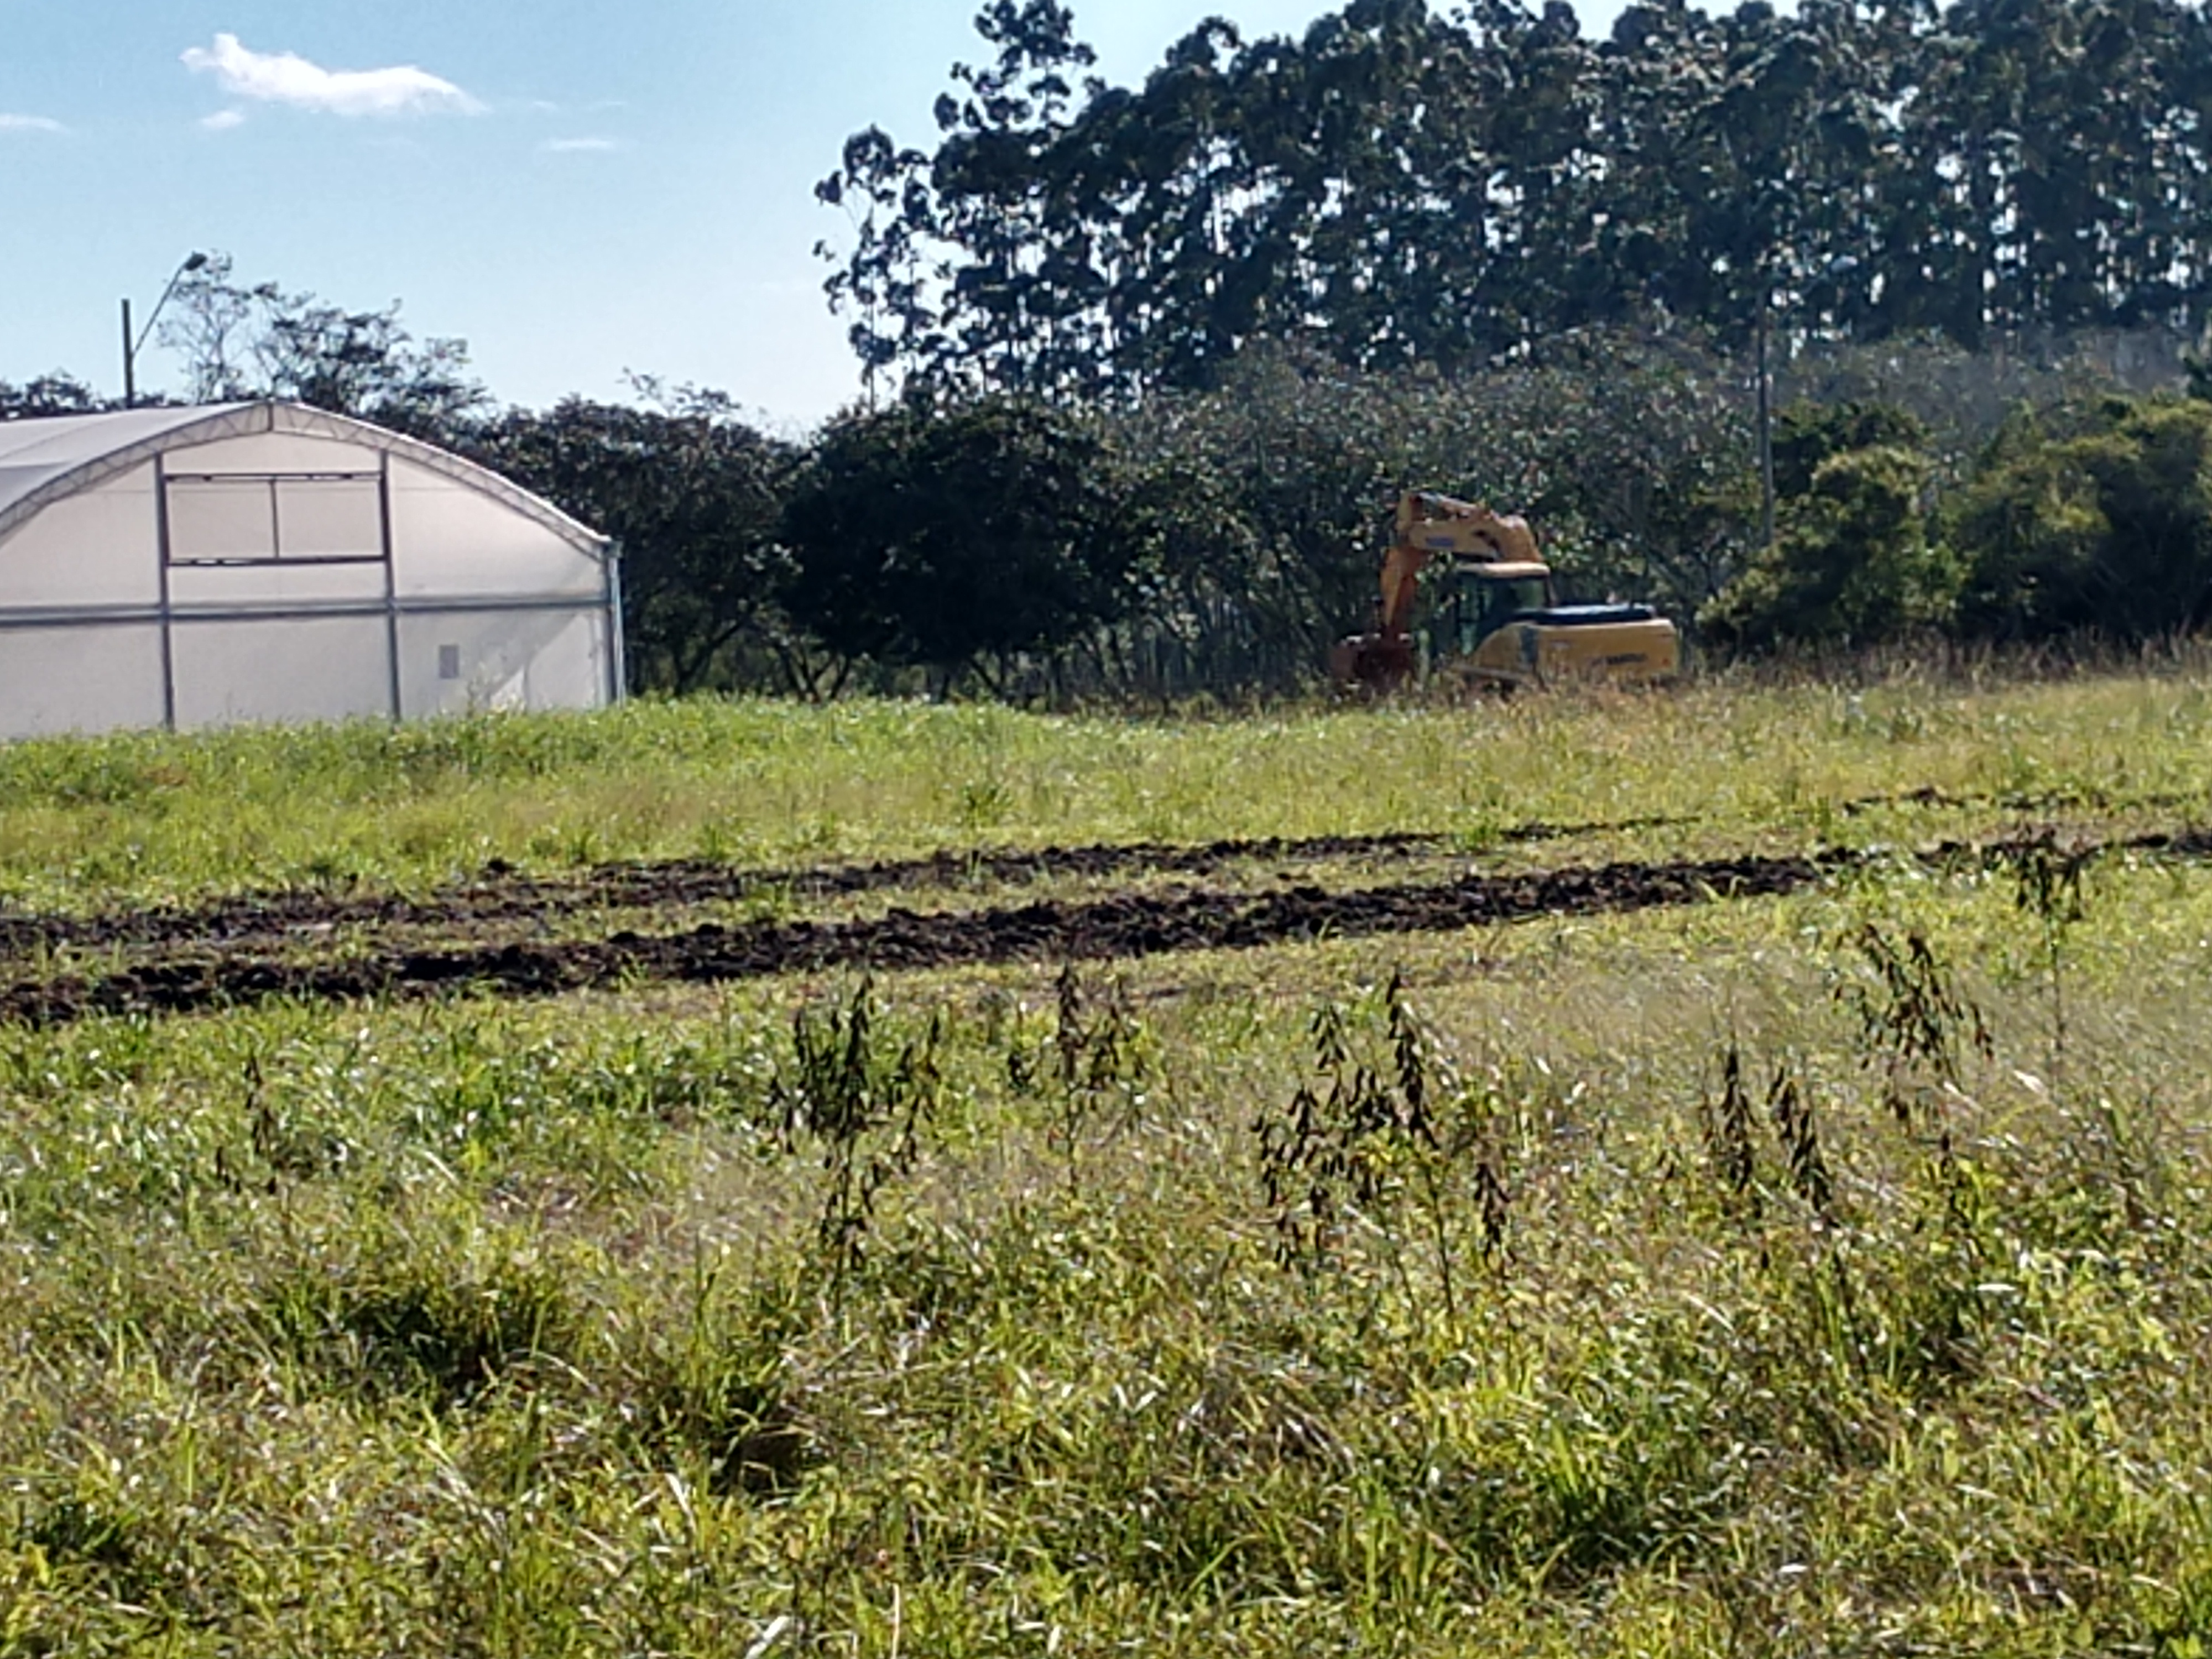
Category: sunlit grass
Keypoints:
(485, 1327)
(145, 815)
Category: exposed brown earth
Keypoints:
(1049, 931)
(502, 893)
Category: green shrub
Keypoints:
(2105, 528)
(1856, 565)
(1808, 434)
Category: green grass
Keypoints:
(509, 1328)
(145, 815)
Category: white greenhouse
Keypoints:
(270, 562)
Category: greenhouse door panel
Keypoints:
(282, 669)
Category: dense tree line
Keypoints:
(1217, 539)
(1398, 188)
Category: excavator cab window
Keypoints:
(1482, 604)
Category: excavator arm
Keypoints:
(1430, 524)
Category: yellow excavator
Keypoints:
(1496, 621)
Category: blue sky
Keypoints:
(576, 188)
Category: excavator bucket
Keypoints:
(1371, 662)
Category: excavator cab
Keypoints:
(1478, 601)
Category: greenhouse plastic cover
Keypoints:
(42, 460)
(194, 567)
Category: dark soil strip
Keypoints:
(502, 893)
(1122, 925)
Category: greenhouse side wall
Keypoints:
(288, 668)
(93, 550)
(59, 678)
(542, 658)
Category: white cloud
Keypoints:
(223, 120)
(284, 77)
(29, 124)
(580, 146)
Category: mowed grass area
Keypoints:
(1234, 1302)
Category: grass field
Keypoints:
(1697, 1264)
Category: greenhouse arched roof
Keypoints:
(43, 460)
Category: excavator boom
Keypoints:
(1429, 525)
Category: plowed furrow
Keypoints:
(501, 894)
(1130, 926)
(1122, 926)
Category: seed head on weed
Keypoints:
(1916, 1025)
(1362, 1139)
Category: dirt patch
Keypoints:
(500, 893)
(1131, 925)
(1049, 931)
(504, 894)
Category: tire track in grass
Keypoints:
(1049, 931)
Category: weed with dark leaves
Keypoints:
(1362, 1138)
(1789, 1107)
(1916, 1025)
(1726, 1129)
(1099, 1053)
(2046, 885)
(861, 1103)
